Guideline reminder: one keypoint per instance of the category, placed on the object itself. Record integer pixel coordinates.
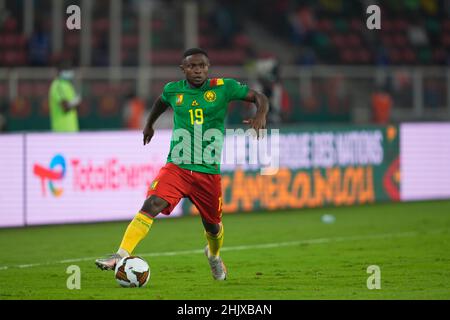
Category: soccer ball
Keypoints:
(132, 272)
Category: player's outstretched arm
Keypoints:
(262, 107)
(158, 109)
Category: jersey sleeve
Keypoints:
(164, 95)
(235, 90)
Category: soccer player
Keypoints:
(196, 101)
(63, 101)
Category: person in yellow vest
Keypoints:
(63, 101)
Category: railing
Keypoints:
(314, 94)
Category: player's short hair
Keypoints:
(191, 51)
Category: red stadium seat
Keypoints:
(348, 56)
(386, 25)
(408, 56)
(399, 25)
(26, 89)
(357, 25)
(387, 40)
(10, 25)
(165, 57)
(227, 57)
(445, 40)
(394, 55)
(205, 41)
(439, 55)
(338, 40)
(400, 40)
(100, 25)
(364, 56)
(130, 41)
(241, 41)
(72, 39)
(324, 25)
(353, 40)
(446, 25)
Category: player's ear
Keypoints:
(182, 68)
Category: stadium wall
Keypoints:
(103, 176)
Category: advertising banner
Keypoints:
(425, 159)
(12, 203)
(104, 176)
(317, 167)
(90, 176)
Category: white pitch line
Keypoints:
(235, 248)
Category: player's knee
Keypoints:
(212, 229)
(154, 205)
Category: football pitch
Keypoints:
(269, 255)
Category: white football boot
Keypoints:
(218, 269)
(108, 263)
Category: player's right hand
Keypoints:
(148, 134)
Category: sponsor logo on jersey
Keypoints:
(179, 99)
(195, 103)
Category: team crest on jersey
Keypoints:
(210, 96)
(179, 99)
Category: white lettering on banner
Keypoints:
(295, 150)
(323, 151)
(359, 148)
(111, 175)
(330, 149)
(105, 177)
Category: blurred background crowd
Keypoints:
(316, 60)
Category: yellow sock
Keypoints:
(215, 242)
(136, 231)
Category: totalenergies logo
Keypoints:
(55, 172)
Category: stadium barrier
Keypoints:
(103, 176)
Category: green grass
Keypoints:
(408, 241)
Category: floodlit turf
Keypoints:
(278, 255)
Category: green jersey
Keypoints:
(60, 120)
(199, 121)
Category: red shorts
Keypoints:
(203, 189)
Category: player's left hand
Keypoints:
(256, 123)
(148, 134)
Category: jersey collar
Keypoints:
(204, 85)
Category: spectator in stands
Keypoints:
(225, 23)
(303, 24)
(381, 106)
(269, 83)
(133, 112)
(39, 46)
(101, 52)
(307, 56)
